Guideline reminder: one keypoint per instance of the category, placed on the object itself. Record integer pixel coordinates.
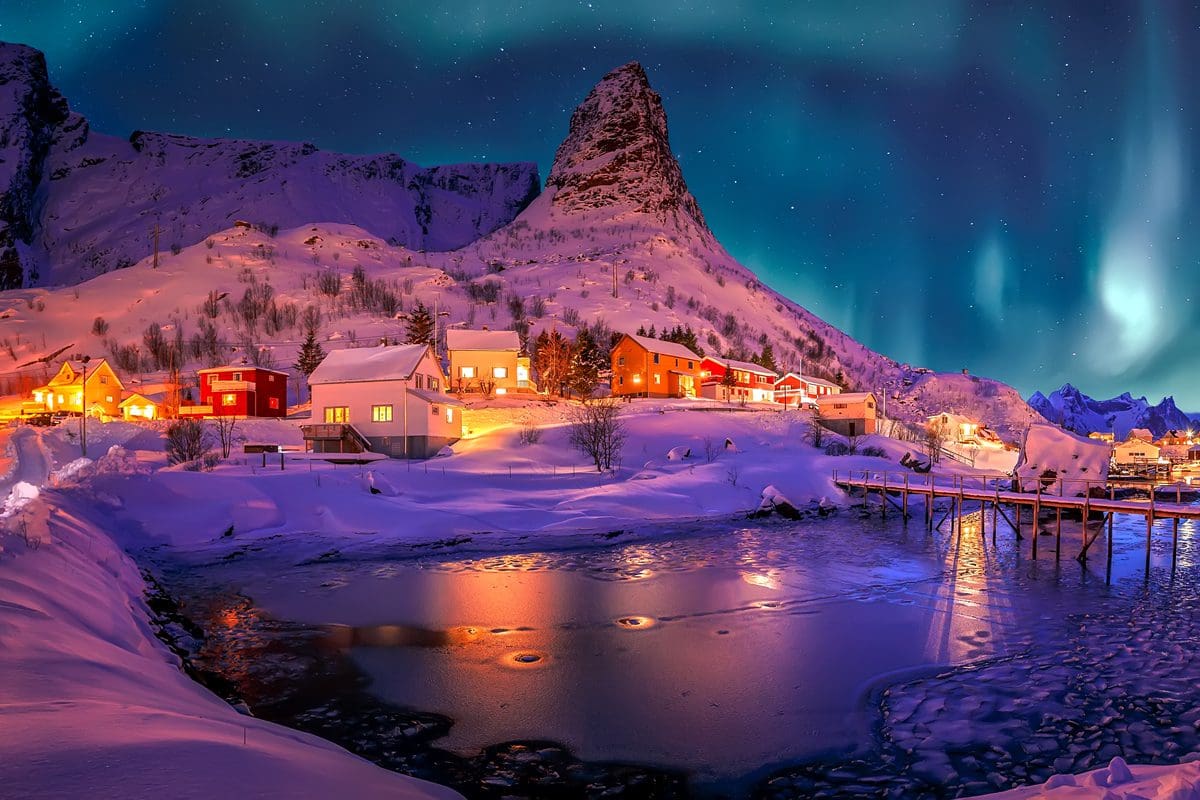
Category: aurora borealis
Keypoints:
(1006, 187)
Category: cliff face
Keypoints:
(82, 203)
(1075, 411)
(617, 155)
(30, 112)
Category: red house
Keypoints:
(241, 391)
(751, 382)
(798, 390)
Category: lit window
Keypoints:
(381, 413)
(657, 378)
(271, 378)
(229, 399)
(466, 372)
(335, 414)
(108, 398)
(434, 383)
(499, 372)
(273, 402)
(449, 414)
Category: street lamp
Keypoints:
(83, 407)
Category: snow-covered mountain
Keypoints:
(615, 242)
(77, 204)
(1075, 411)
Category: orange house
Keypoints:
(645, 367)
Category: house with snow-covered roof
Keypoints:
(645, 367)
(487, 361)
(849, 413)
(795, 389)
(240, 390)
(751, 383)
(390, 400)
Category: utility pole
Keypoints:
(154, 232)
(614, 279)
(83, 408)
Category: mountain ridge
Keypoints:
(1070, 408)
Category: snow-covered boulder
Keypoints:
(775, 502)
(679, 453)
(1061, 460)
(21, 495)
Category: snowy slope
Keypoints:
(93, 705)
(1077, 412)
(85, 203)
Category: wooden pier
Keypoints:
(1095, 502)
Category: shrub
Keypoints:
(872, 450)
(836, 449)
(529, 433)
(99, 326)
(187, 440)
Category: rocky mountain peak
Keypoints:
(617, 155)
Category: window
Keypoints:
(212, 379)
(691, 365)
(270, 377)
(108, 398)
(420, 381)
(434, 383)
(620, 361)
(621, 381)
(656, 358)
(381, 413)
(436, 410)
(104, 379)
(337, 414)
(229, 399)
(466, 372)
(499, 372)
(237, 376)
(657, 378)
(273, 402)
(449, 414)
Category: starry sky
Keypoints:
(1009, 187)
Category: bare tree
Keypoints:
(816, 429)
(598, 431)
(937, 433)
(225, 427)
(187, 440)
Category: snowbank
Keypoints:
(1062, 460)
(1117, 781)
(95, 706)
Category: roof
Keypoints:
(132, 398)
(436, 397)
(744, 366)
(848, 397)
(458, 339)
(952, 418)
(239, 368)
(819, 382)
(665, 348)
(387, 363)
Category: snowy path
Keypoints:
(32, 460)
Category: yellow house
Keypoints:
(645, 367)
(137, 406)
(66, 390)
(850, 413)
(483, 360)
(962, 430)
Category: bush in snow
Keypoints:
(837, 449)
(187, 440)
(874, 451)
(529, 433)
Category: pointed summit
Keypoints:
(617, 156)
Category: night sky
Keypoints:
(1008, 187)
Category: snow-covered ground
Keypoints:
(92, 686)
(92, 704)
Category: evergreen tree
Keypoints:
(641, 330)
(420, 325)
(587, 359)
(311, 354)
(766, 358)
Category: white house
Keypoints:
(1136, 451)
(389, 400)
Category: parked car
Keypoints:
(42, 420)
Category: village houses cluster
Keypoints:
(405, 401)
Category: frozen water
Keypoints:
(884, 661)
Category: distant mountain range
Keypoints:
(1075, 411)
(615, 241)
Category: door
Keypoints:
(853, 426)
